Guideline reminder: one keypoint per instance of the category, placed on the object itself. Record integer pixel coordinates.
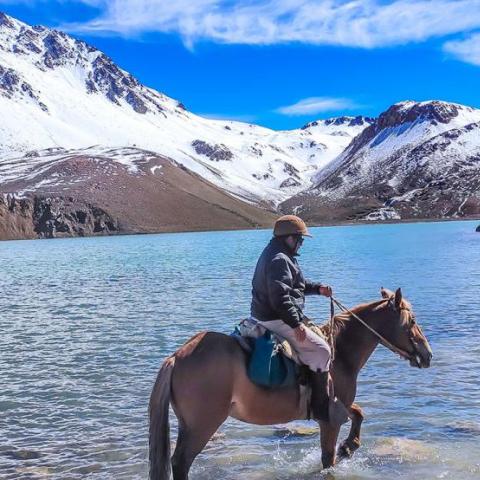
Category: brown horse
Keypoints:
(206, 381)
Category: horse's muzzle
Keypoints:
(422, 356)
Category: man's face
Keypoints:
(294, 242)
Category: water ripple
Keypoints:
(86, 323)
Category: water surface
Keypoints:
(85, 324)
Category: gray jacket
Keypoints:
(279, 287)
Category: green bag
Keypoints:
(268, 367)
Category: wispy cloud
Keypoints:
(92, 3)
(314, 105)
(225, 116)
(357, 23)
(467, 50)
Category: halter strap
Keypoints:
(383, 340)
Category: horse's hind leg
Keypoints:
(202, 387)
(201, 407)
(352, 442)
(192, 440)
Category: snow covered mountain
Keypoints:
(417, 160)
(85, 148)
(59, 93)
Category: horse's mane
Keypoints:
(341, 320)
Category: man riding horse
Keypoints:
(206, 380)
(278, 300)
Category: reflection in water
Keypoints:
(85, 324)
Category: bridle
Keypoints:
(399, 351)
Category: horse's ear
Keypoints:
(398, 298)
(386, 293)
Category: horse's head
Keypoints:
(403, 330)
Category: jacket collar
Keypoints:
(280, 245)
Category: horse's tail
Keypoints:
(159, 435)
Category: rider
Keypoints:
(278, 299)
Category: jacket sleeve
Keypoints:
(311, 288)
(279, 285)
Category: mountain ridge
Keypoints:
(72, 83)
(418, 160)
(75, 122)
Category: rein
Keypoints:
(399, 351)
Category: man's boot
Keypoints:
(324, 405)
(319, 402)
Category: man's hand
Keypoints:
(300, 333)
(325, 290)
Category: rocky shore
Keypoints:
(37, 217)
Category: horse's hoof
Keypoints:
(344, 451)
(328, 461)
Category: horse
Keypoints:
(206, 381)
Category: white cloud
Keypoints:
(314, 105)
(92, 3)
(357, 23)
(226, 117)
(467, 50)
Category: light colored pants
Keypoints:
(314, 351)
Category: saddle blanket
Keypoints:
(250, 328)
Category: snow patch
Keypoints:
(155, 168)
(383, 213)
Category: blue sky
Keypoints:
(285, 62)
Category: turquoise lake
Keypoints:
(85, 324)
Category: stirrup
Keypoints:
(337, 412)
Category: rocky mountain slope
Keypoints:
(70, 193)
(418, 160)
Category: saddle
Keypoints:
(272, 360)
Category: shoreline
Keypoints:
(340, 223)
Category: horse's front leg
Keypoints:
(328, 442)
(352, 442)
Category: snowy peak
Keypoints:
(6, 21)
(46, 49)
(433, 111)
(344, 121)
(405, 124)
